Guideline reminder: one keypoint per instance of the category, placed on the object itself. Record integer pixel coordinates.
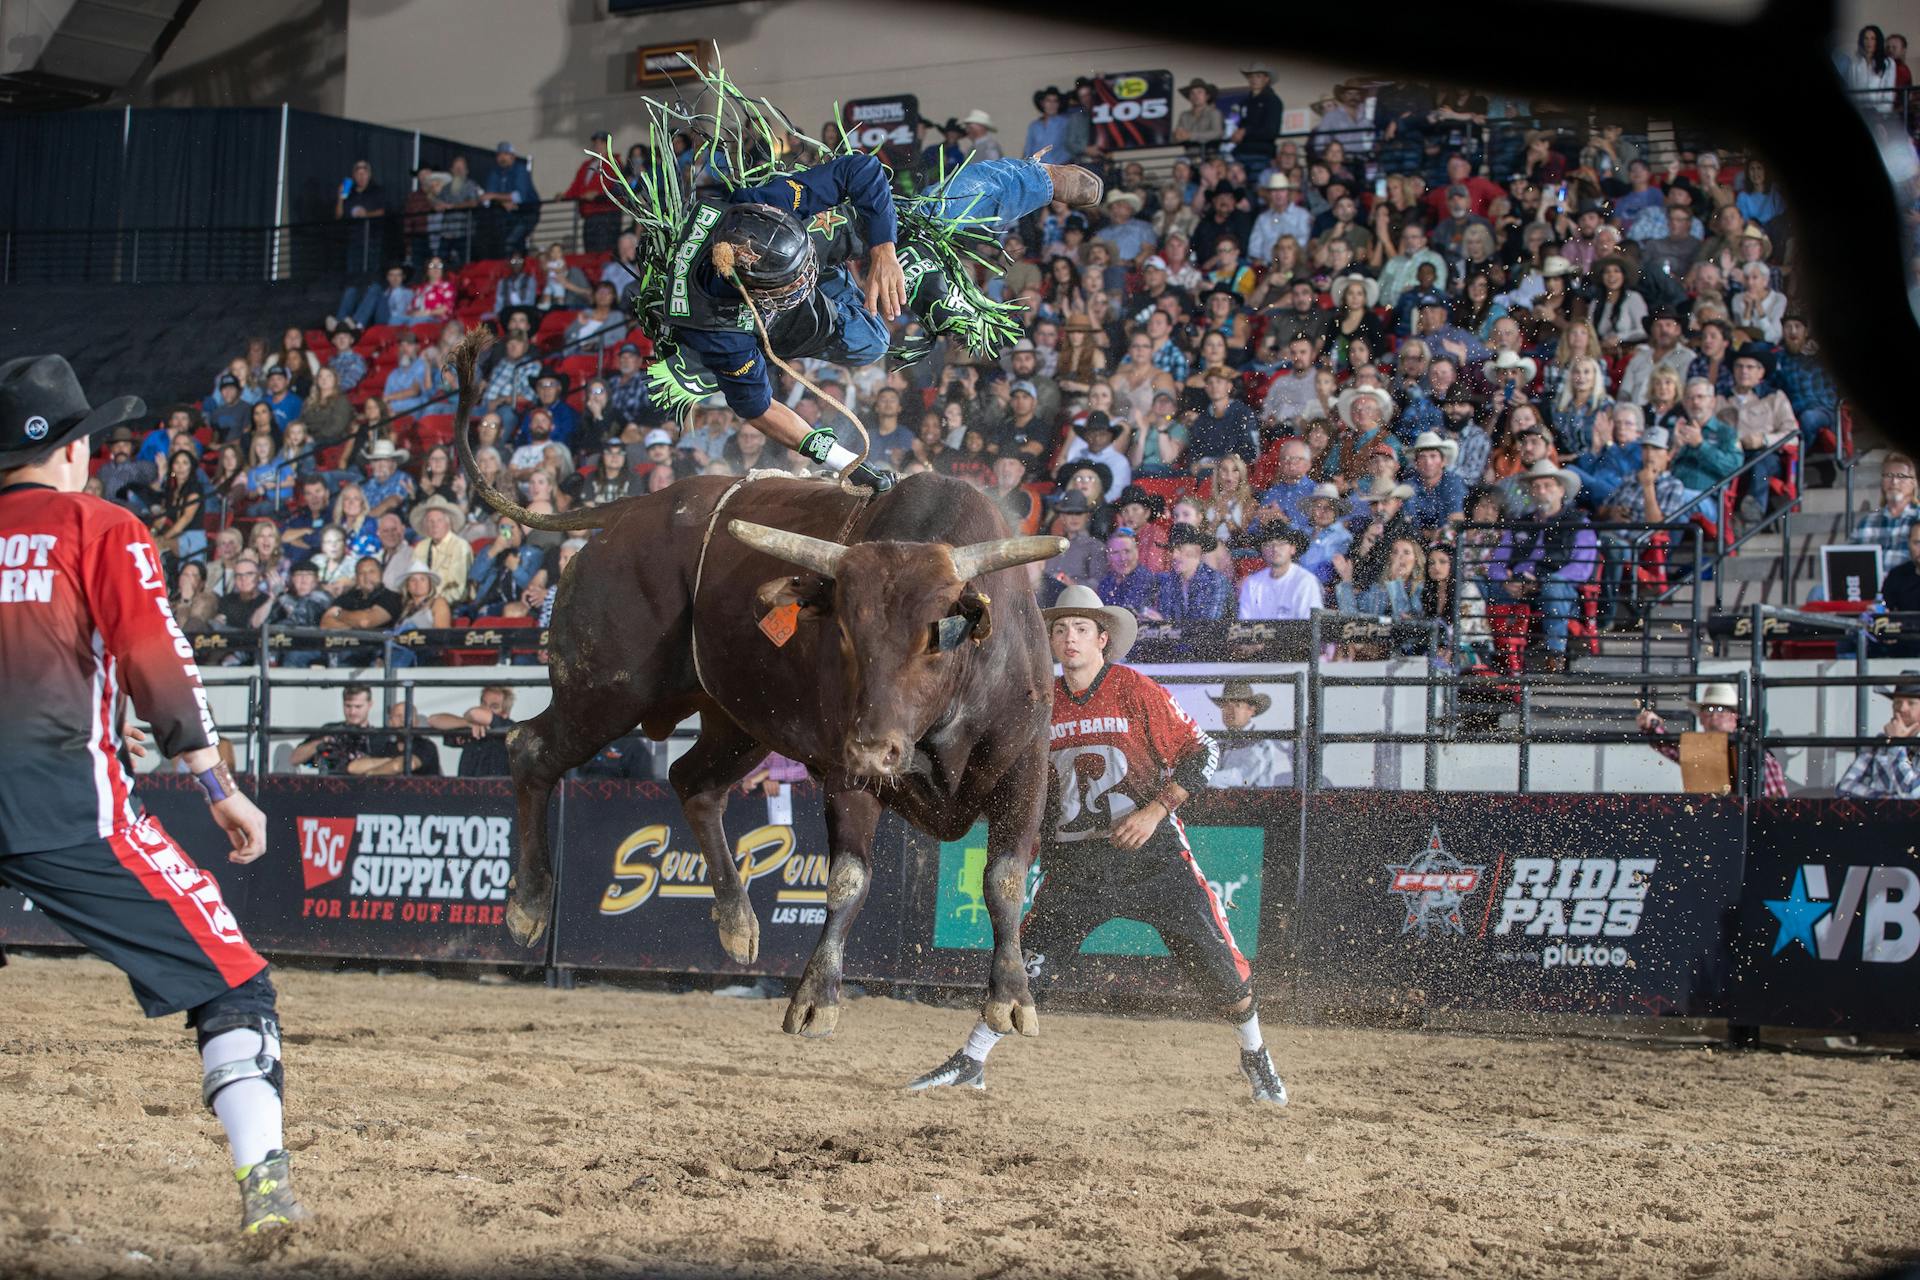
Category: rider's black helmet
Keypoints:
(772, 254)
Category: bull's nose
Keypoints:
(881, 757)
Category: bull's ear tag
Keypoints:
(779, 624)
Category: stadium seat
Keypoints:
(553, 329)
(637, 336)
(1170, 488)
(378, 339)
(578, 370)
(431, 429)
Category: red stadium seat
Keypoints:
(1170, 488)
(638, 338)
(431, 429)
(553, 328)
(577, 370)
(379, 339)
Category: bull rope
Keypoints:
(713, 520)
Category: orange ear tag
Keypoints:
(779, 624)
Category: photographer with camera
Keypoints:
(335, 751)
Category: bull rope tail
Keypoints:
(464, 355)
(722, 254)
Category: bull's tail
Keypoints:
(464, 356)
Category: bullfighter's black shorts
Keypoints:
(1159, 885)
(138, 901)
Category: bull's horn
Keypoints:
(817, 554)
(989, 557)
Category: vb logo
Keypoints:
(1885, 901)
(323, 849)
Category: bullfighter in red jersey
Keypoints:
(1124, 756)
(84, 625)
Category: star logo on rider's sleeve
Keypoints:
(827, 221)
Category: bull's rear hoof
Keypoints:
(739, 930)
(815, 1021)
(1004, 1016)
(527, 925)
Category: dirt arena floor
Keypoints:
(455, 1127)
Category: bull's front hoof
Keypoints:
(1005, 1015)
(527, 916)
(815, 1021)
(739, 930)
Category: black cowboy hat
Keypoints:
(1185, 535)
(1280, 533)
(953, 126)
(1905, 685)
(1053, 89)
(1153, 502)
(42, 408)
(1072, 503)
(1759, 352)
(1100, 469)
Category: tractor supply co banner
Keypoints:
(1575, 904)
(1132, 109)
(1828, 931)
(948, 936)
(635, 892)
(887, 126)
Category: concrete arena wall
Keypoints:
(1629, 768)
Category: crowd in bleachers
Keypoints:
(1408, 365)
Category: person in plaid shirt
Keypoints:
(1888, 527)
(1166, 354)
(627, 389)
(1716, 711)
(1654, 494)
(1800, 373)
(1889, 772)
(512, 382)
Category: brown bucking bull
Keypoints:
(916, 676)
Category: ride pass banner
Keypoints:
(1521, 903)
(1828, 931)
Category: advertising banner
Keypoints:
(1585, 904)
(1828, 931)
(1132, 109)
(949, 934)
(635, 891)
(887, 126)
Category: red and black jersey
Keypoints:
(84, 621)
(1114, 748)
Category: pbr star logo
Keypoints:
(1433, 886)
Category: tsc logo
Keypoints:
(323, 849)
(1433, 888)
(1822, 922)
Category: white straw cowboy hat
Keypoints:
(1717, 697)
(1118, 196)
(1508, 360)
(1343, 404)
(438, 502)
(1556, 265)
(1545, 470)
(1083, 602)
(1338, 286)
(383, 450)
(1449, 449)
(981, 118)
(1329, 493)
(421, 566)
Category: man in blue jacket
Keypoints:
(511, 202)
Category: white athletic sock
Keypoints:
(980, 1041)
(248, 1110)
(1249, 1033)
(839, 458)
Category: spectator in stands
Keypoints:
(1612, 456)
(1020, 505)
(1870, 73)
(174, 517)
(1048, 131)
(438, 523)
(562, 285)
(1547, 558)
(511, 386)
(1283, 217)
(1400, 272)
(981, 144)
(1799, 371)
(1582, 397)
(1398, 592)
(507, 579)
(386, 488)
(1439, 498)
(263, 541)
(1663, 350)
(1664, 397)
(1531, 444)
(453, 203)
(269, 478)
(1900, 586)
(517, 288)
(397, 751)
(1673, 254)
(1224, 217)
(1762, 418)
(610, 480)
(1225, 426)
(1093, 442)
(371, 304)
(194, 607)
(602, 326)
(1327, 536)
(243, 604)
(1246, 759)
(312, 512)
(1128, 583)
(1292, 396)
(547, 389)
(334, 560)
(351, 514)
(368, 605)
(124, 478)
(1708, 448)
(1285, 591)
(422, 606)
(227, 412)
(1759, 306)
(1260, 122)
(600, 216)
(336, 750)
(1286, 498)
(434, 299)
(627, 388)
(1084, 561)
(301, 605)
(480, 733)
(328, 413)
(510, 205)
(280, 397)
(1192, 591)
(1891, 771)
(1200, 127)
(410, 383)
(1890, 527)
(360, 198)
(1717, 710)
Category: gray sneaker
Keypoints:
(959, 1071)
(1257, 1067)
(266, 1196)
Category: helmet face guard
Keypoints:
(774, 299)
(774, 259)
